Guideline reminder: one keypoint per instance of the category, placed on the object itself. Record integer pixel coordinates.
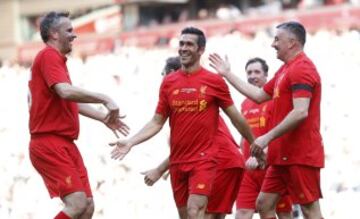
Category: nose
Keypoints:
(273, 44)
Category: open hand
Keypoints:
(117, 125)
(222, 66)
(122, 148)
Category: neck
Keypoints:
(56, 46)
(190, 69)
(292, 55)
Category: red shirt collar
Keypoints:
(299, 56)
(194, 73)
(58, 52)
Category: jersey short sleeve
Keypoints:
(163, 104)
(53, 68)
(302, 82)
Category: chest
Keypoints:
(282, 86)
(190, 96)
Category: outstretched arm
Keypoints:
(149, 130)
(69, 92)
(222, 66)
(153, 175)
(239, 122)
(116, 125)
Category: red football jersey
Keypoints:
(302, 145)
(192, 101)
(49, 114)
(257, 116)
(228, 155)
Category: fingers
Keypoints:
(214, 67)
(113, 115)
(252, 163)
(121, 117)
(148, 181)
(215, 57)
(255, 150)
(116, 134)
(123, 129)
(118, 154)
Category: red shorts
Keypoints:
(250, 189)
(225, 189)
(301, 182)
(192, 178)
(60, 164)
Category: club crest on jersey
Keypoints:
(203, 90)
(277, 85)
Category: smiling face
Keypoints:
(283, 43)
(255, 74)
(64, 35)
(189, 50)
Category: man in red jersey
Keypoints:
(296, 152)
(54, 121)
(229, 167)
(257, 116)
(190, 98)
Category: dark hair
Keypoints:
(48, 22)
(295, 28)
(172, 64)
(263, 63)
(201, 36)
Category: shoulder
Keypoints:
(49, 54)
(171, 77)
(49, 51)
(304, 64)
(247, 103)
(214, 77)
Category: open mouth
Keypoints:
(185, 56)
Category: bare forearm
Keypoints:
(76, 94)
(163, 166)
(243, 128)
(239, 122)
(290, 122)
(250, 91)
(83, 96)
(148, 131)
(91, 112)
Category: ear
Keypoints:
(53, 34)
(292, 43)
(201, 50)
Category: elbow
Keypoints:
(258, 100)
(64, 91)
(64, 94)
(302, 114)
(260, 97)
